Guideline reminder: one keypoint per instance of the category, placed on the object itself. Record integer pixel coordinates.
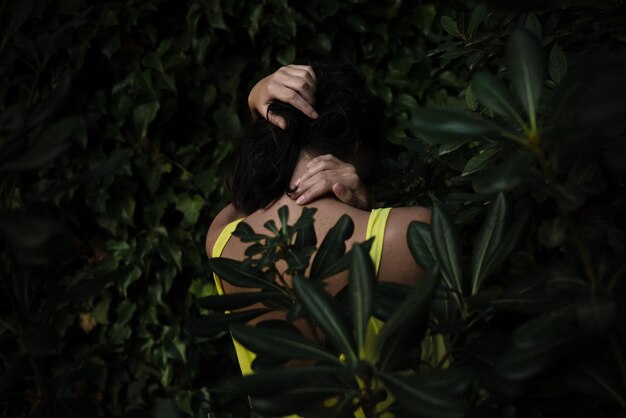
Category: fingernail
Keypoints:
(300, 200)
(315, 115)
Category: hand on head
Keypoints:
(296, 85)
(293, 84)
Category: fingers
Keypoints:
(277, 120)
(318, 189)
(299, 80)
(293, 84)
(283, 92)
(324, 163)
(344, 194)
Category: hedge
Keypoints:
(116, 122)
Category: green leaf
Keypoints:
(361, 292)
(493, 94)
(544, 329)
(239, 274)
(450, 26)
(446, 243)
(417, 396)
(411, 311)
(443, 126)
(323, 309)
(209, 325)
(234, 300)
(332, 248)
(276, 381)
(305, 229)
(283, 216)
(481, 160)
(557, 66)
(293, 401)
(190, 207)
(533, 25)
(357, 23)
(171, 253)
(524, 56)
(478, 15)
(504, 177)
(420, 242)
(489, 242)
(245, 233)
(281, 343)
(286, 55)
(143, 115)
(522, 363)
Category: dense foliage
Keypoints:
(116, 119)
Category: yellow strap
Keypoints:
(218, 247)
(244, 355)
(376, 228)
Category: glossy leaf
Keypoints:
(240, 274)
(494, 95)
(479, 14)
(489, 241)
(450, 25)
(209, 325)
(245, 233)
(277, 381)
(411, 311)
(444, 126)
(332, 248)
(419, 238)
(557, 66)
(293, 401)
(323, 309)
(143, 115)
(481, 160)
(361, 290)
(446, 244)
(234, 300)
(543, 329)
(505, 176)
(524, 56)
(280, 343)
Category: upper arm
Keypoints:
(223, 218)
(397, 263)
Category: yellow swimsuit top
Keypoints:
(375, 228)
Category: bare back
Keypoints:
(397, 264)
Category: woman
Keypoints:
(318, 117)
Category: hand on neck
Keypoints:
(301, 168)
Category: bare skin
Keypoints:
(397, 264)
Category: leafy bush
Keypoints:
(116, 119)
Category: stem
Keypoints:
(443, 359)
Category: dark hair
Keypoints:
(350, 118)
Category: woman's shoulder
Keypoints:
(224, 217)
(397, 262)
(400, 218)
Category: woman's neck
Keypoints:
(300, 169)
